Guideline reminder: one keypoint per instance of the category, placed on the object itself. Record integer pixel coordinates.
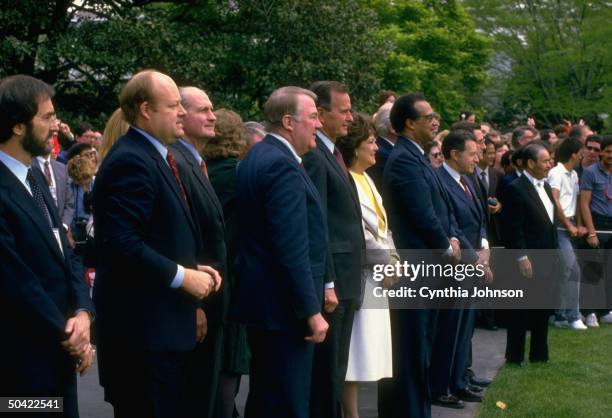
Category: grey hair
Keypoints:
(282, 102)
(382, 122)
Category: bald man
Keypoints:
(204, 363)
(148, 282)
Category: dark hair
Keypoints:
(428, 146)
(560, 129)
(576, 131)
(606, 142)
(517, 155)
(593, 138)
(359, 131)
(403, 109)
(456, 140)
(19, 98)
(384, 95)
(518, 134)
(82, 128)
(464, 115)
(545, 134)
(323, 90)
(506, 159)
(531, 152)
(567, 148)
(77, 149)
(466, 125)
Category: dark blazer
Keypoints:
(207, 213)
(376, 171)
(529, 226)
(341, 206)
(505, 182)
(468, 213)
(143, 230)
(282, 238)
(40, 288)
(419, 208)
(65, 198)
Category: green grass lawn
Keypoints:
(577, 382)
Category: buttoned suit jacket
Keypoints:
(41, 286)
(341, 206)
(63, 190)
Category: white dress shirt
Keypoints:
(539, 186)
(566, 182)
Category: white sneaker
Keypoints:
(578, 325)
(591, 321)
(606, 319)
(561, 324)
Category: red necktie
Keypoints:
(465, 188)
(204, 169)
(340, 160)
(48, 174)
(172, 164)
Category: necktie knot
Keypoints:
(465, 187)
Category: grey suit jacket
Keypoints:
(65, 196)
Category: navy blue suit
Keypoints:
(40, 288)
(143, 230)
(282, 238)
(420, 216)
(471, 221)
(382, 155)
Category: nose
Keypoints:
(349, 116)
(181, 111)
(318, 124)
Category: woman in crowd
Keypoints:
(222, 155)
(370, 348)
(82, 170)
(434, 152)
(500, 149)
(115, 128)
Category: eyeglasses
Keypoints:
(49, 118)
(593, 149)
(436, 155)
(429, 118)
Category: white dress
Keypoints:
(370, 355)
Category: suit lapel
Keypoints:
(533, 193)
(457, 190)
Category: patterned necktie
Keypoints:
(485, 179)
(38, 197)
(204, 169)
(172, 164)
(466, 188)
(340, 160)
(48, 174)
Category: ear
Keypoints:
(531, 164)
(287, 122)
(19, 129)
(145, 110)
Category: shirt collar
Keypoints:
(155, 142)
(192, 149)
(480, 170)
(417, 145)
(389, 141)
(288, 145)
(328, 142)
(454, 173)
(532, 179)
(564, 169)
(43, 160)
(19, 169)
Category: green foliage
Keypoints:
(554, 59)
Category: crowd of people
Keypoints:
(199, 248)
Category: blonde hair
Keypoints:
(115, 128)
(81, 170)
(230, 136)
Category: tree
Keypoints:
(553, 58)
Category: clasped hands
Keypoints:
(78, 342)
(201, 282)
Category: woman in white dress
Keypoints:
(370, 349)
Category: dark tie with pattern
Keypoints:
(485, 180)
(340, 160)
(38, 197)
(465, 187)
(204, 169)
(172, 164)
(48, 174)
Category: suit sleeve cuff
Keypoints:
(522, 258)
(449, 251)
(329, 285)
(178, 278)
(484, 244)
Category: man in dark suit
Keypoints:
(282, 258)
(461, 155)
(530, 214)
(343, 287)
(45, 310)
(385, 141)
(420, 215)
(204, 363)
(148, 279)
(58, 182)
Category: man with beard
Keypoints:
(45, 310)
(148, 281)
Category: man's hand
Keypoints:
(456, 256)
(319, 327)
(64, 128)
(71, 242)
(483, 256)
(582, 231)
(201, 325)
(488, 275)
(572, 231)
(525, 268)
(331, 300)
(85, 360)
(390, 281)
(77, 331)
(197, 283)
(494, 209)
(213, 273)
(593, 241)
